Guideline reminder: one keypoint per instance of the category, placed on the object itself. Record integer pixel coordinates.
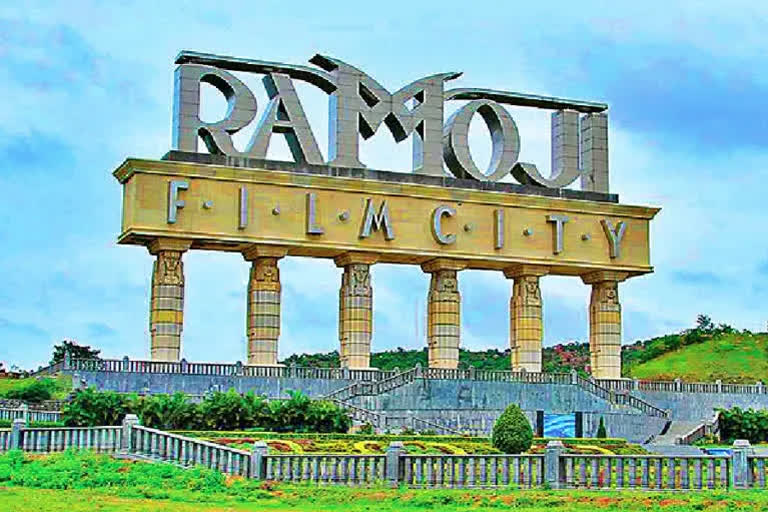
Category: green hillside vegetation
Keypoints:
(31, 389)
(705, 352)
(732, 358)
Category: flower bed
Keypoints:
(416, 445)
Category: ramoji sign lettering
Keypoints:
(359, 105)
(226, 208)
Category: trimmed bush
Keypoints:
(512, 433)
(601, 433)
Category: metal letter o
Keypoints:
(504, 135)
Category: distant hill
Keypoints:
(705, 352)
(733, 358)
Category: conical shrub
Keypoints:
(512, 433)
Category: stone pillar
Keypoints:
(263, 309)
(392, 465)
(740, 464)
(355, 310)
(554, 474)
(17, 428)
(126, 439)
(443, 313)
(605, 323)
(166, 315)
(258, 460)
(525, 319)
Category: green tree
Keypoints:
(90, 408)
(512, 433)
(75, 351)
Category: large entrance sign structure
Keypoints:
(235, 201)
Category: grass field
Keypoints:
(85, 482)
(300, 499)
(62, 385)
(732, 358)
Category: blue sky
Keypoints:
(86, 85)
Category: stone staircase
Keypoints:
(676, 431)
(378, 420)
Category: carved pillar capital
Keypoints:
(525, 270)
(255, 251)
(163, 244)
(600, 276)
(438, 264)
(355, 258)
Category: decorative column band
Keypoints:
(525, 317)
(263, 306)
(166, 312)
(355, 310)
(605, 323)
(443, 313)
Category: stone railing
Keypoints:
(757, 466)
(375, 419)
(645, 472)
(709, 427)
(5, 440)
(622, 398)
(555, 469)
(186, 451)
(47, 405)
(471, 470)
(26, 413)
(328, 469)
(678, 386)
(183, 367)
(50, 440)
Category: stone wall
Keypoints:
(455, 403)
(271, 387)
(694, 406)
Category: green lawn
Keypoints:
(62, 385)
(86, 482)
(299, 499)
(734, 358)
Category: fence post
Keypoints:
(394, 450)
(678, 385)
(259, 460)
(126, 439)
(740, 464)
(17, 430)
(25, 412)
(574, 377)
(553, 474)
(719, 385)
